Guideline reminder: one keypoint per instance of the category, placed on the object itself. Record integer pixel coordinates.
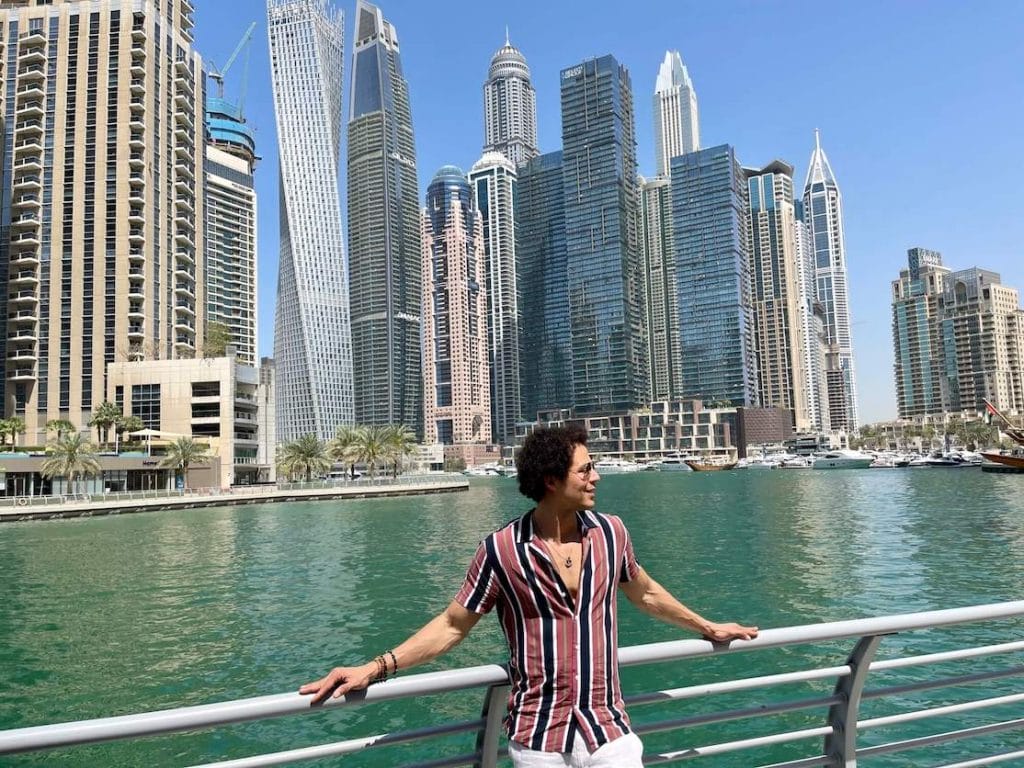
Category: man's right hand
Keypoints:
(340, 680)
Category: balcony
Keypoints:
(137, 122)
(23, 316)
(138, 34)
(136, 235)
(24, 259)
(137, 291)
(184, 324)
(29, 163)
(136, 216)
(28, 220)
(136, 273)
(137, 105)
(136, 160)
(32, 73)
(22, 297)
(27, 181)
(137, 86)
(24, 336)
(24, 277)
(31, 90)
(138, 68)
(34, 38)
(184, 289)
(137, 140)
(185, 203)
(185, 169)
(24, 355)
(182, 237)
(30, 144)
(135, 332)
(23, 374)
(33, 108)
(26, 238)
(136, 178)
(26, 201)
(32, 55)
(136, 312)
(136, 255)
(32, 127)
(181, 67)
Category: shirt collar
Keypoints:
(585, 519)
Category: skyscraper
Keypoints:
(510, 106)
(457, 391)
(917, 296)
(493, 179)
(823, 208)
(710, 210)
(778, 293)
(663, 329)
(812, 321)
(546, 372)
(982, 327)
(312, 344)
(676, 123)
(384, 230)
(604, 265)
(231, 226)
(103, 203)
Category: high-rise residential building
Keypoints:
(457, 390)
(384, 230)
(812, 324)
(510, 106)
(604, 264)
(982, 328)
(493, 179)
(917, 334)
(312, 343)
(823, 210)
(546, 371)
(231, 227)
(778, 292)
(103, 203)
(663, 330)
(711, 235)
(676, 123)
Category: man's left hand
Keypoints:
(723, 633)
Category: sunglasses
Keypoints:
(586, 469)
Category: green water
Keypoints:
(108, 616)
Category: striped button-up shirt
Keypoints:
(563, 653)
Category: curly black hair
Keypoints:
(547, 453)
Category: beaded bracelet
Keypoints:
(394, 662)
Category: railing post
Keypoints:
(493, 715)
(841, 744)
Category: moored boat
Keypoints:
(843, 459)
(710, 464)
(615, 466)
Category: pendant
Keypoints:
(568, 562)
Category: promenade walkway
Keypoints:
(20, 509)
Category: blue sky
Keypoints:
(920, 107)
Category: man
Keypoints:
(552, 575)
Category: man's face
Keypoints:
(580, 485)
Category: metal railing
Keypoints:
(836, 729)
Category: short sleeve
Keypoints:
(629, 567)
(480, 590)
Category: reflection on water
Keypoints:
(160, 610)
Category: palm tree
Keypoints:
(70, 456)
(401, 441)
(103, 418)
(373, 446)
(344, 447)
(60, 426)
(304, 456)
(183, 452)
(129, 424)
(13, 426)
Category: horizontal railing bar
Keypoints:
(949, 709)
(736, 746)
(940, 738)
(346, 747)
(934, 658)
(731, 686)
(738, 714)
(945, 682)
(990, 760)
(277, 705)
(805, 762)
(223, 713)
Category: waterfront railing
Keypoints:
(264, 489)
(983, 702)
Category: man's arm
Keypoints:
(652, 598)
(443, 632)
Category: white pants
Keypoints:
(624, 752)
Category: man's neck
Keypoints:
(553, 522)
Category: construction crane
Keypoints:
(217, 75)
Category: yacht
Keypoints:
(843, 459)
(611, 465)
(674, 463)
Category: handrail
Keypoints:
(839, 729)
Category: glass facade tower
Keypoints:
(823, 214)
(384, 231)
(493, 179)
(546, 365)
(604, 265)
(312, 345)
(710, 210)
